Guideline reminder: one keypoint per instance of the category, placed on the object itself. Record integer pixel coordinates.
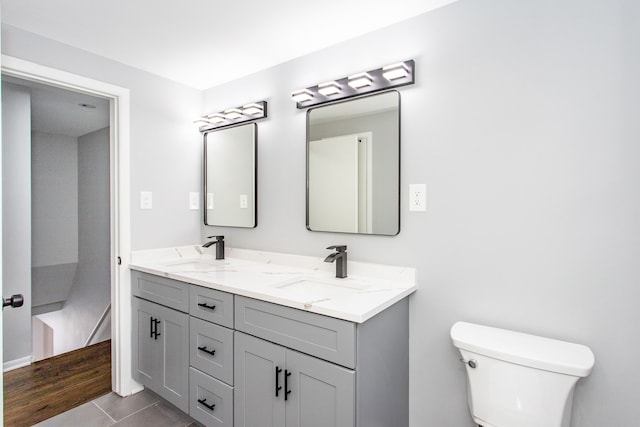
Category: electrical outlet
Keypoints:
(244, 201)
(210, 199)
(417, 197)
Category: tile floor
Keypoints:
(144, 409)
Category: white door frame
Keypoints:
(121, 380)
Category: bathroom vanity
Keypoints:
(266, 339)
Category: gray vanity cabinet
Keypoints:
(161, 351)
(342, 374)
(277, 387)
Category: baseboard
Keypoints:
(17, 363)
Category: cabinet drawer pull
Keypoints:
(204, 305)
(278, 386)
(287, 374)
(209, 407)
(151, 323)
(204, 348)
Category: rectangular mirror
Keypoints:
(353, 166)
(230, 179)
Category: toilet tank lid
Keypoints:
(524, 349)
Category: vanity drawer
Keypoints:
(204, 392)
(206, 338)
(168, 292)
(212, 305)
(317, 335)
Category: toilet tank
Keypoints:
(519, 380)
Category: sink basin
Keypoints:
(314, 290)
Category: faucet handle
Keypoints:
(217, 237)
(339, 248)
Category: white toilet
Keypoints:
(519, 380)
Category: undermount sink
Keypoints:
(313, 289)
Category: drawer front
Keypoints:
(212, 305)
(168, 292)
(320, 336)
(211, 349)
(210, 401)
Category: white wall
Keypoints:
(16, 220)
(523, 125)
(165, 145)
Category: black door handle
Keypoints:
(278, 386)
(15, 301)
(287, 374)
(156, 334)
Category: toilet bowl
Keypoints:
(519, 380)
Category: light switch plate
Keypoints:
(194, 201)
(417, 197)
(146, 200)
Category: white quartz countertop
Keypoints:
(302, 282)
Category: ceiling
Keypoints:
(205, 43)
(63, 112)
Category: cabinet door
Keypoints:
(161, 351)
(322, 394)
(147, 351)
(258, 369)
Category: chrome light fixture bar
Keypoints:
(232, 116)
(387, 77)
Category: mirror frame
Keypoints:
(399, 184)
(254, 171)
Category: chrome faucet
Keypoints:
(219, 242)
(340, 256)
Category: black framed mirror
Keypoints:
(353, 166)
(230, 176)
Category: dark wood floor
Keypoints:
(55, 385)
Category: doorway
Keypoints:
(120, 206)
(70, 222)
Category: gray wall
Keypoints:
(54, 219)
(16, 218)
(166, 147)
(523, 124)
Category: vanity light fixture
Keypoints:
(329, 88)
(252, 109)
(395, 71)
(233, 116)
(303, 95)
(216, 118)
(233, 113)
(387, 77)
(360, 80)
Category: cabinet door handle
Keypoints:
(204, 305)
(204, 348)
(151, 323)
(287, 374)
(278, 386)
(209, 407)
(156, 334)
